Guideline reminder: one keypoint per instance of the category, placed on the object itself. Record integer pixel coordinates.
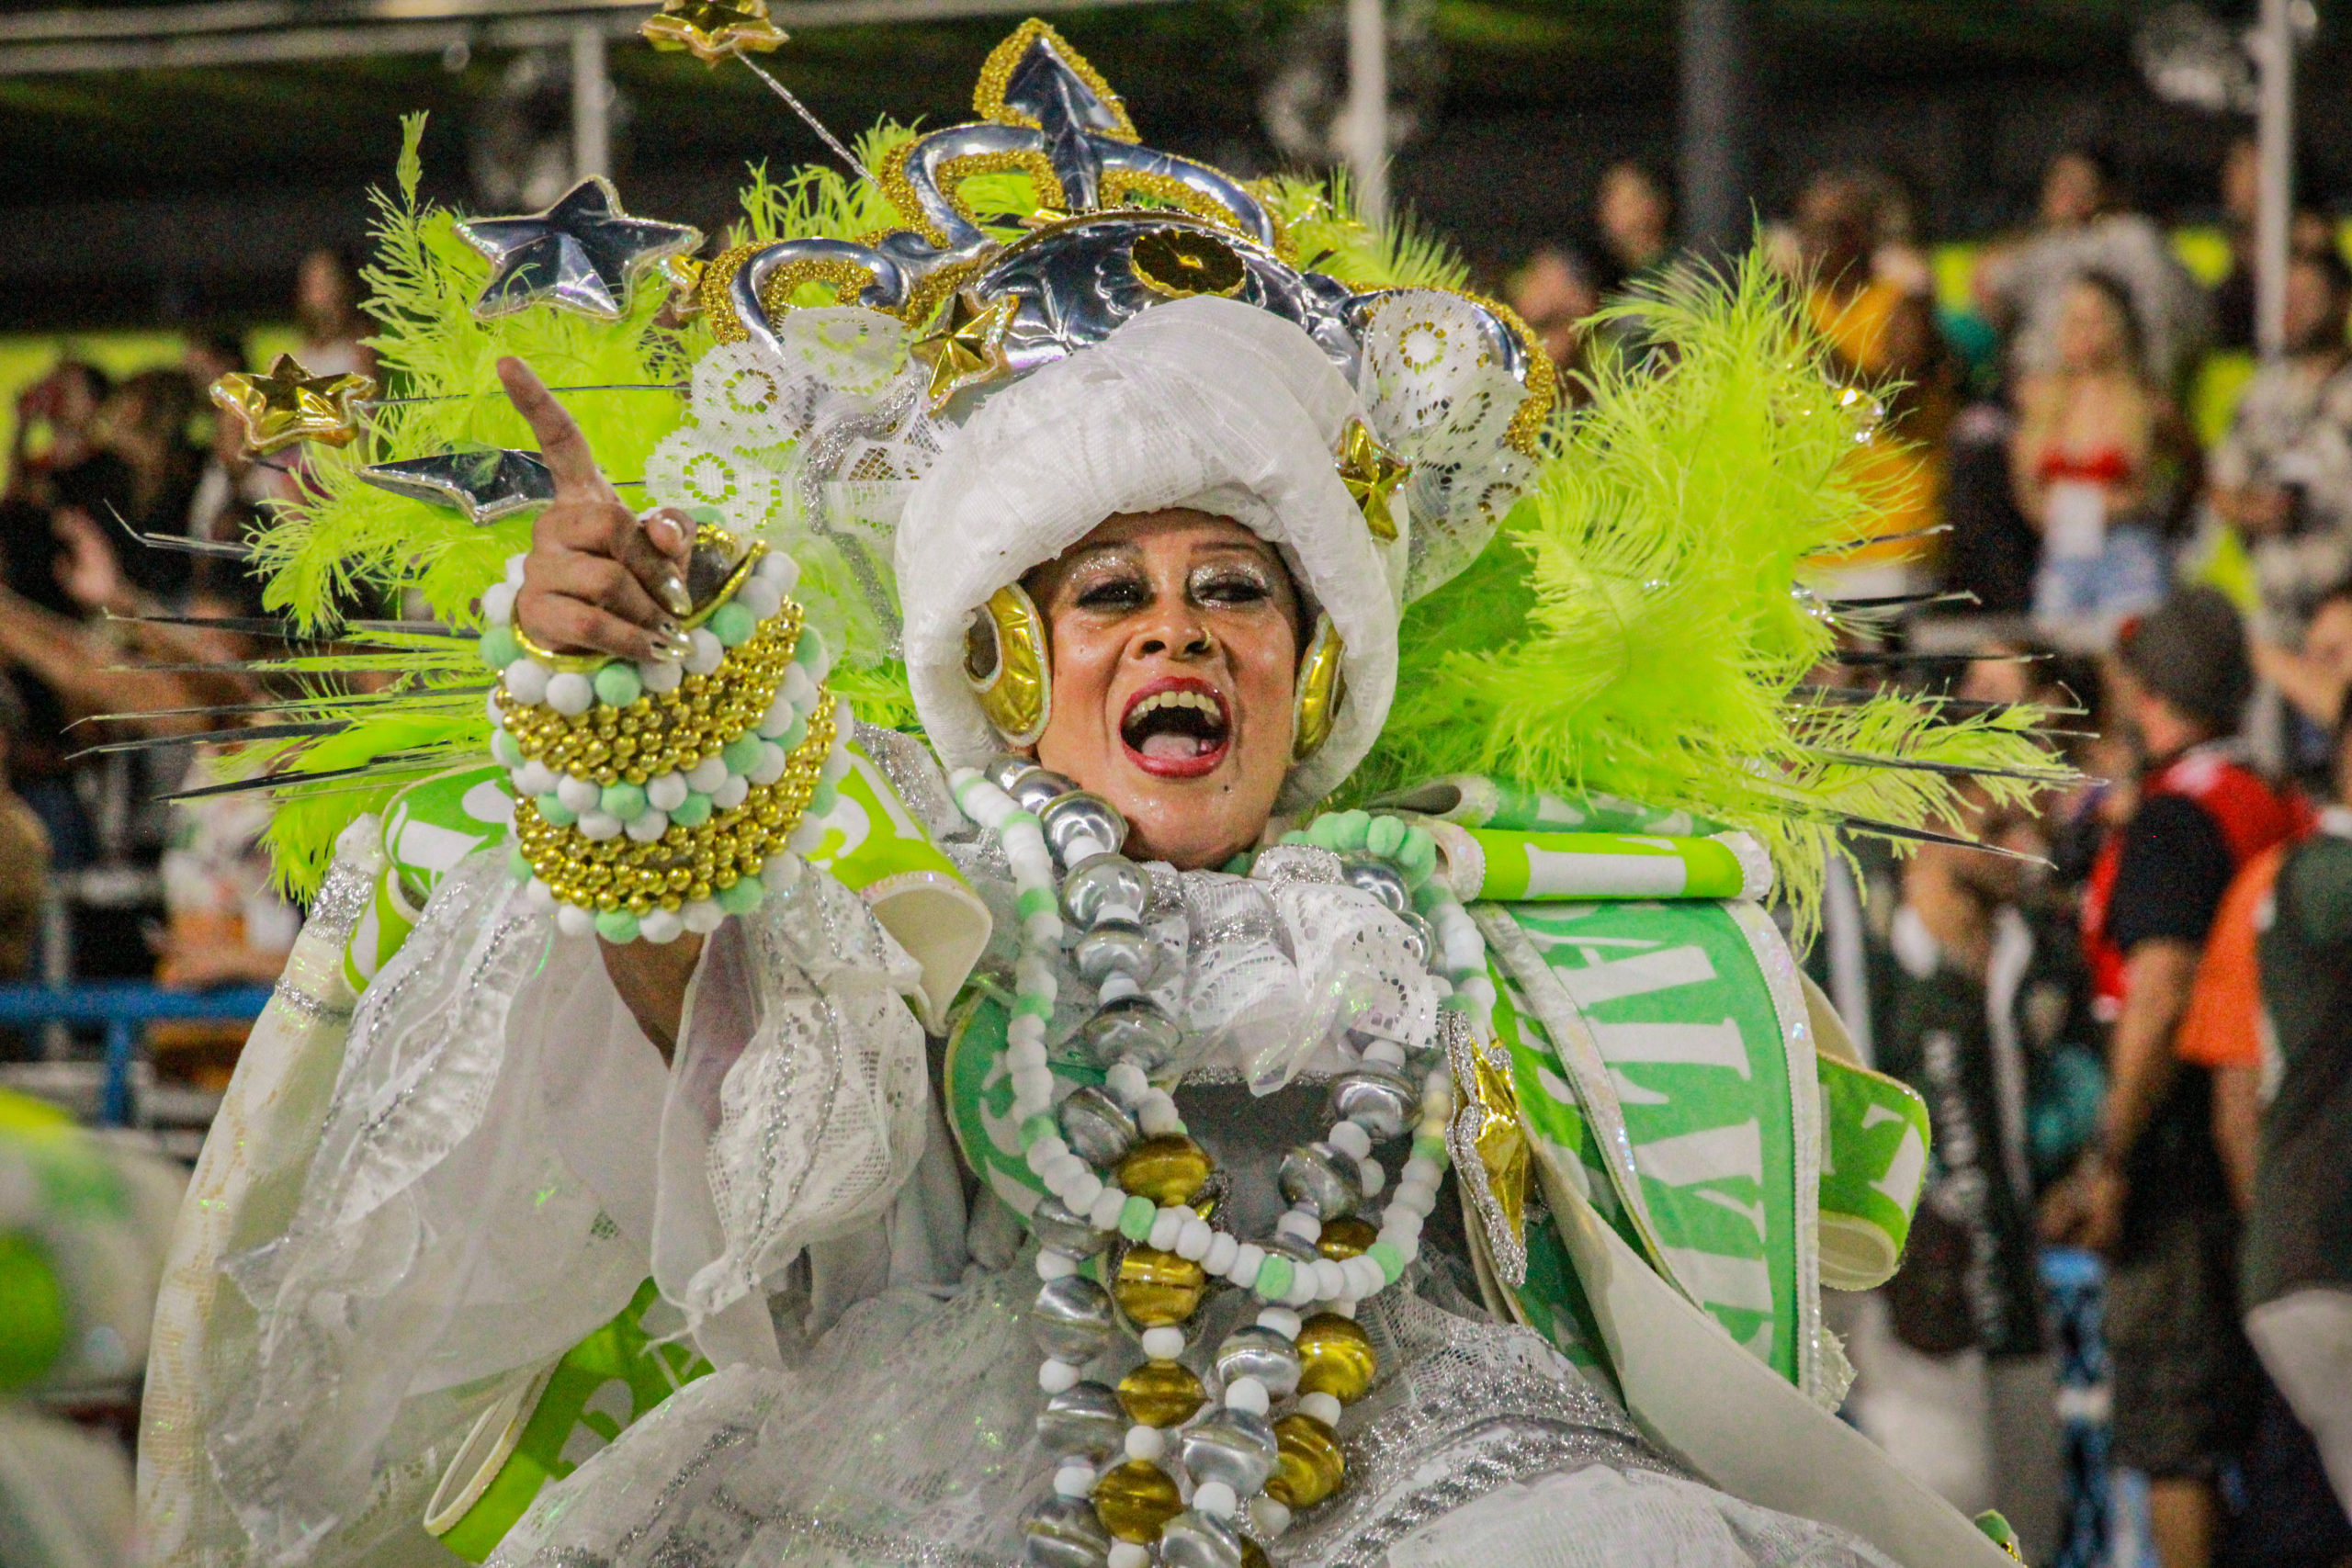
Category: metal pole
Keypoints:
(591, 98)
(1367, 113)
(2274, 51)
(1718, 125)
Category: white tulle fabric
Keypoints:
(504, 1157)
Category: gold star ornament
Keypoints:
(287, 405)
(966, 349)
(713, 29)
(1372, 473)
(1489, 1149)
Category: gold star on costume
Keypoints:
(289, 405)
(713, 29)
(684, 274)
(1371, 474)
(966, 349)
(1489, 1149)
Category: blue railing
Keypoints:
(125, 1007)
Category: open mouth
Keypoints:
(1177, 729)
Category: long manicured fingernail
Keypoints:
(670, 645)
(673, 595)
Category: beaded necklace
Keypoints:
(1119, 1165)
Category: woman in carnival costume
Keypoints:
(1020, 1118)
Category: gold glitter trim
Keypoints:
(987, 98)
(847, 278)
(1121, 186)
(713, 291)
(898, 189)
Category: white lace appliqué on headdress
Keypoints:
(1439, 400)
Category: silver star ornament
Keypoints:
(582, 253)
(485, 483)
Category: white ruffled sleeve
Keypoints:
(504, 1158)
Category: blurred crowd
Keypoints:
(2134, 1033)
(127, 604)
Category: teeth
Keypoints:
(1199, 700)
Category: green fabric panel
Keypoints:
(1529, 810)
(1682, 1015)
(428, 828)
(1521, 866)
(978, 1089)
(871, 837)
(1874, 1158)
(439, 821)
(608, 1382)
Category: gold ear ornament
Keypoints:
(1005, 662)
(1321, 688)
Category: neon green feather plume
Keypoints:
(1634, 629)
(355, 544)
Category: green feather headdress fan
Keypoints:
(1632, 628)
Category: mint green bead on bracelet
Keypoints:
(1031, 902)
(617, 685)
(1274, 1277)
(822, 801)
(1385, 837)
(691, 812)
(1391, 1261)
(809, 651)
(553, 811)
(499, 648)
(731, 623)
(1135, 1216)
(743, 896)
(626, 801)
(741, 755)
(617, 925)
(1041, 1125)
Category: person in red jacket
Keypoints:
(2150, 1191)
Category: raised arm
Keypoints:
(600, 580)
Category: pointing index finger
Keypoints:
(561, 446)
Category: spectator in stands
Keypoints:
(2282, 477)
(211, 355)
(2085, 228)
(326, 306)
(1979, 1008)
(24, 851)
(2308, 234)
(2311, 679)
(1635, 213)
(2099, 456)
(146, 423)
(2297, 1279)
(1553, 294)
(2150, 1191)
(1882, 331)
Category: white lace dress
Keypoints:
(503, 1157)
